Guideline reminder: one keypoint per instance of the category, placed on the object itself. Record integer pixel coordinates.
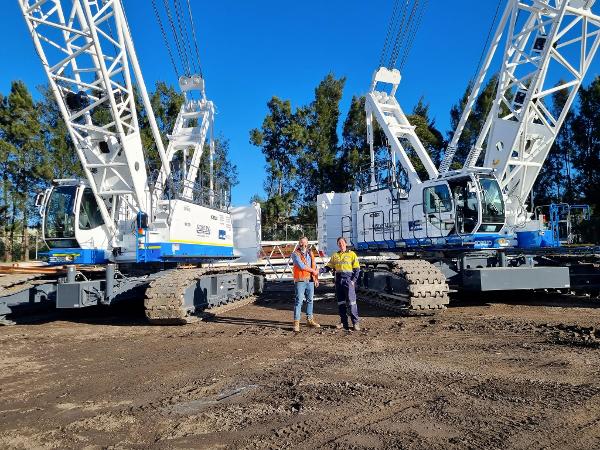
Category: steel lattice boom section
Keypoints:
(87, 52)
(549, 47)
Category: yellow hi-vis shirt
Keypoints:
(344, 262)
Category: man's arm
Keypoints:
(298, 262)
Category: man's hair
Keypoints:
(303, 237)
(341, 238)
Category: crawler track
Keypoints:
(417, 287)
(165, 301)
(17, 282)
(14, 291)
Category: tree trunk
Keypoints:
(6, 256)
(25, 232)
(11, 238)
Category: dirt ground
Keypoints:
(520, 373)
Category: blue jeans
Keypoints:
(304, 292)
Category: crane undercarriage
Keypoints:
(172, 295)
(420, 283)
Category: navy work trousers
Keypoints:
(346, 299)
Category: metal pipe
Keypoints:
(110, 282)
(71, 273)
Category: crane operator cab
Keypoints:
(462, 209)
(72, 225)
(478, 203)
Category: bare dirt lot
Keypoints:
(523, 373)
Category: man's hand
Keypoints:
(316, 283)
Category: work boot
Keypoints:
(296, 326)
(310, 322)
(356, 327)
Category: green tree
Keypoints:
(355, 158)
(26, 156)
(431, 138)
(280, 139)
(62, 155)
(476, 120)
(555, 180)
(586, 137)
(318, 161)
(166, 102)
(225, 172)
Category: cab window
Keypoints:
(90, 216)
(436, 199)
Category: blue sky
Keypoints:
(253, 50)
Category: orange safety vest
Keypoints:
(304, 275)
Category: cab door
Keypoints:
(90, 230)
(438, 209)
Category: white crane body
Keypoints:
(402, 209)
(123, 231)
(469, 226)
(118, 213)
(549, 46)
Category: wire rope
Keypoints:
(184, 36)
(413, 35)
(487, 41)
(403, 32)
(194, 37)
(175, 36)
(398, 29)
(391, 26)
(165, 39)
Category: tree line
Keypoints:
(35, 149)
(309, 149)
(306, 154)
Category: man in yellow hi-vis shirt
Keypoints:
(347, 269)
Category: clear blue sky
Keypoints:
(252, 50)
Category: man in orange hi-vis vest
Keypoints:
(306, 278)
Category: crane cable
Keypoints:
(399, 36)
(175, 36)
(183, 33)
(191, 16)
(487, 41)
(405, 31)
(165, 39)
(415, 30)
(391, 26)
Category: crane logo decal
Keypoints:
(203, 230)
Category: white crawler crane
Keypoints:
(463, 223)
(136, 227)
